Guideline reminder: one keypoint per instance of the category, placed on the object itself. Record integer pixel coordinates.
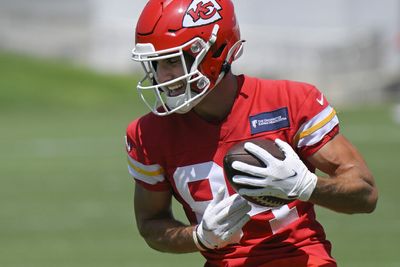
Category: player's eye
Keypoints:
(173, 60)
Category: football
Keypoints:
(238, 153)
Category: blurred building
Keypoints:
(349, 48)
(98, 33)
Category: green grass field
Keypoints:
(66, 196)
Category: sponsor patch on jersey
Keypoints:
(269, 121)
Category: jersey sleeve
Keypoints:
(145, 171)
(317, 123)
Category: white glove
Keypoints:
(288, 179)
(223, 220)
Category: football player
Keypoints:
(199, 110)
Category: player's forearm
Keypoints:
(350, 192)
(168, 235)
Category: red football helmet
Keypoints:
(204, 30)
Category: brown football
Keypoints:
(238, 153)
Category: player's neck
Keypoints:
(218, 103)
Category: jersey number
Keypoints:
(198, 183)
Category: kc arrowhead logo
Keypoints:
(201, 13)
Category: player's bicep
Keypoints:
(339, 156)
(151, 205)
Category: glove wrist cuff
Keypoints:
(309, 188)
(197, 240)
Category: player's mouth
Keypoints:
(176, 89)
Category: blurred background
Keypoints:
(67, 92)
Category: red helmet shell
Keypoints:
(171, 23)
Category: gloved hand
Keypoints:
(288, 179)
(223, 220)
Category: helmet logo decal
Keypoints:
(201, 13)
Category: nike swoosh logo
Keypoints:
(295, 174)
(280, 179)
(321, 100)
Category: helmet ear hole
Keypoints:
(219, 51)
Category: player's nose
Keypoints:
(165, 74)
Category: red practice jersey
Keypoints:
(184, 154)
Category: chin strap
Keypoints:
(236, 50)
(234, 53)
